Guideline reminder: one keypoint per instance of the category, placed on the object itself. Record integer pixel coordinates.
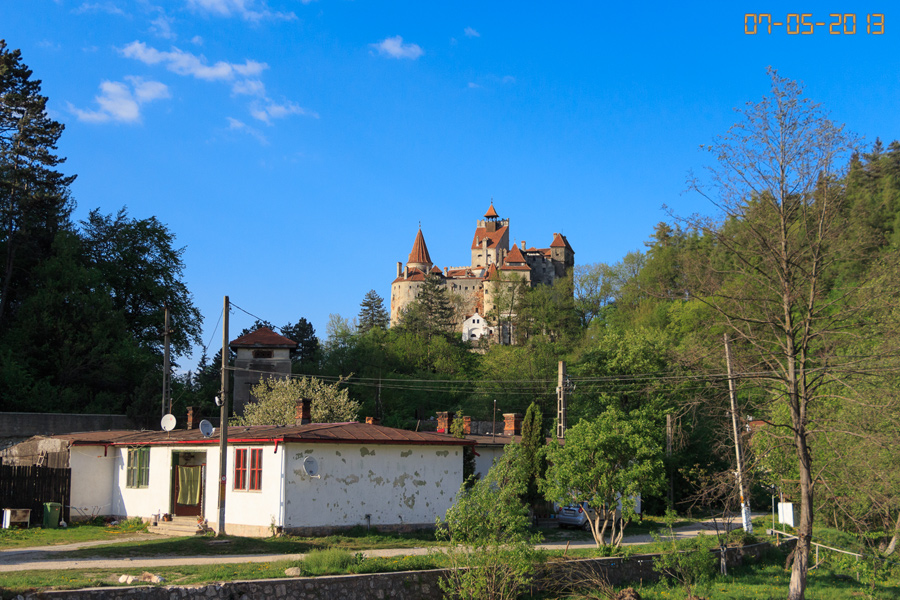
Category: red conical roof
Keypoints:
(491, 213)
(419, 252)
(264, 337)
(515, 256)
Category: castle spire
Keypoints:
(419, 257)
(491, 213)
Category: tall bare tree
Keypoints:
(777, 182)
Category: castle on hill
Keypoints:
(473, 288)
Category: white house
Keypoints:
(303, 478)
(474, 327)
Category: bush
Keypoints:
(332, 561)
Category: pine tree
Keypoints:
(34, 197)
(533, 442)
(372, 313)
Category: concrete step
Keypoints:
(178, 526)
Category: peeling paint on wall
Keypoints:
(348, 480)
(366, 452)
(443, 453)
(405, 454)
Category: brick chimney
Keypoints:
(467, 425)
(512, 424)
(192, 417)
(301, 416)
(373, 421)
(445, 419)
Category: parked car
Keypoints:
(576, 515)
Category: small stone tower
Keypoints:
(260, 354)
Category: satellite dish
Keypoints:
(310, 466)
(168, 422)
(206, 428)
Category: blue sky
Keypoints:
(294, 147)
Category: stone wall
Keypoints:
(408, 585)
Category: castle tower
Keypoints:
(419, 257)
(491, 242)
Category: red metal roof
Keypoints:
(263, 337)
(560, 241)
(493, 237)
(515, 256)
(327, 433)
(419, 252)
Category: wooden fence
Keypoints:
(30, 487)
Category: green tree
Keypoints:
(777, 181)
(491, 551)
(533, 442)
(143, 271)
(276, 402)
(372, 313)
(605, 461)
(302, 332)
(431, 313)
(34, 196)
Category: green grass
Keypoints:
(76, 532)
(319, 563)
(763, 581)
(352, 541)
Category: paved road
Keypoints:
(48, 557)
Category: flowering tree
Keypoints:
(277, 401)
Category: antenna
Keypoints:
(206, 428)
(310, 467)
(168, 422)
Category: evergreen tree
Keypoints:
(533, 442)
(372, 313)
(34, 196)
(432, 313)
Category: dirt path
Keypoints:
(28, 559)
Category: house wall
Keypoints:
(398, 486)
(143, 502)
(486, 456)
(93, 476)
(247, 512)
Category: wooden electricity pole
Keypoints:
(745, 506)
(561, 401)
(167, 387)
(223, 423)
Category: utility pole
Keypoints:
(670, 431)
(561, 401)
(223, 423)
(167, 388)
(745, 506)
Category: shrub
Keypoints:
(332, 561)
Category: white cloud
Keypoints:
(161, 26)
(121, 103)
(471, 32)
(99, 7)
(395, 48)
(197, 40)
(249, 87)
(508, 79)
(271, 110)
(235, 125)
(473, 85)
(185, 63)
(249, 10)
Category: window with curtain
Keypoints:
(248, 469)
(137, 472)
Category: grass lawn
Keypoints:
(24, 582)
(77, 532)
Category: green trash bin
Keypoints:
(52, 511)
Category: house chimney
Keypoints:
(191, 417)
(512, 424)
(399, 269)
(301, 416)
(445, 419)
(373, 421)
(523, 245)
(467, 425)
